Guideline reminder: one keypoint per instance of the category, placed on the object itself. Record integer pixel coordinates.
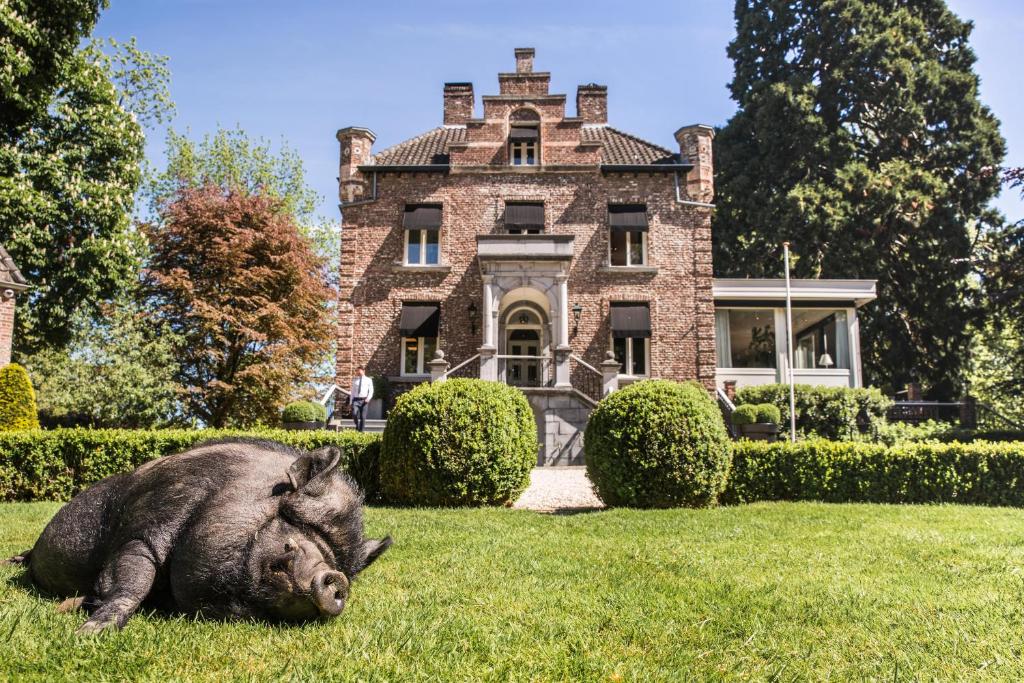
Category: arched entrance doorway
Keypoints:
(525, 345)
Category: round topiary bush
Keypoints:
(304, 411)
(658, 444)
(768, 413)
(17, 400)
(459, 442)
(745, 414)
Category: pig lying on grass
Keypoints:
(229, 529)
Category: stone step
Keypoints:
(346, 423)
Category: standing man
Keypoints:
(362, 392)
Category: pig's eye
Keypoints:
(289, 546)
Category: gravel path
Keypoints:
(559, 489)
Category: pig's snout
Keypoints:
(329, 590)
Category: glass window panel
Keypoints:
(618, 246)
(412, 253)
(410, 352)
(531, 154)
(820, 340)
(429, 347)
(433, 253)
(619, 348)
(639, 355)
(752, 338)
(636, 248)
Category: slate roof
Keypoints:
(431, 148)
(9, 273)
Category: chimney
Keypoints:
(524, 60)
(592, 103)
(695, 147)
(356, 144)
(458, 103)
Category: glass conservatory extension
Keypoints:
(750, 331)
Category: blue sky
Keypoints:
(302, 69)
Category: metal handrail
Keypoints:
(460, 365)
(330, 392)
(585, 364)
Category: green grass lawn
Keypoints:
(769, 591)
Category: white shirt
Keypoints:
(362, 387)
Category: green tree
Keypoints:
(860, 138)
(36, 38)
(67, 188)
(118, 371)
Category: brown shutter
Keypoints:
(422, 218)
(524, 216)
(520, 134)
(420, 319)
(627, 217)
(631, 320)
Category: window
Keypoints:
(745, 338)
(416, 353)
(628, 235)
(422, 235)
(631, 337)
(632, 354)
(524, 145)
(820, 340)
(524, 218)
(418, 326)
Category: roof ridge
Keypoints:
(639, 139)
(7, 264)
(403, 143)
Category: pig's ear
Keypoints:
(314, 465)
(374, 548)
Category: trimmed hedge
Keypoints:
(17, 400)
(57, 464)
(744, 415)
(767, 413)
(838, 413)
(658, 444)
(304, 411)
(459, 442)
(840, 472)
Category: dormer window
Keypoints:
(524, 145)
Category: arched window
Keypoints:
(524, 138)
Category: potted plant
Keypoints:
(304, 415)
(758, 422)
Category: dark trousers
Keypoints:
(359, 413)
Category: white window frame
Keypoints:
(624, 372)
(629, 252)
(421, 360)
(523, 148)
(423, 248)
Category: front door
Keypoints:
(523, 348)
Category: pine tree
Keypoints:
(860, 138)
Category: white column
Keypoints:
(563, 311)
(853, 340)
(488, 361)
(487, 320)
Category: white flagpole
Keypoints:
(789, 349)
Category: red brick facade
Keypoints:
(11, 283)
(585, 166)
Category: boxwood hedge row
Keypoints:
(980, 473)
(57, 464)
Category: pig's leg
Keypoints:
(121, 587)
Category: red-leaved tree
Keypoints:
(231, 273)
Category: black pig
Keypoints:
(233, 528)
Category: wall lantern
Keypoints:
(471, 309)
(577, 311)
